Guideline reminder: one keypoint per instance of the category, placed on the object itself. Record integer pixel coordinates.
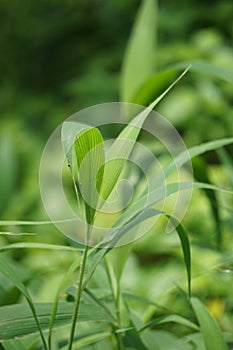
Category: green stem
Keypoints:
(79, 293)
(118, 315)
(116, 297)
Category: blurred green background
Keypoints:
(58, 57)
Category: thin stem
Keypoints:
(115, 287)
(79, 292)
(118, 315)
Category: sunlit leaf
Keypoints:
(124, 144)
(29, 245)
(210, 330)
(89, 149)
(139, 60)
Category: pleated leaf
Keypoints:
(18, 321)
(89, 149)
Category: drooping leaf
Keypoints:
(8, 271)
(158, 194)
(97, 254)
(139, 60)
(170, 318)
(210, 330)
(184, 240)
(184, 157)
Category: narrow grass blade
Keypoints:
(139, 60)
(210, 330)
(4, 233)
(29, 245)
(184, 157)
(170, 318)
(200, 174)
(29, 222)
(184, 240)
(159, 194)
(124, 144)
(7, 270)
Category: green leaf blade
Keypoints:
(17, 320)
(139, 60)
(210, 330)
(90, 155)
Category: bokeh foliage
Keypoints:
(58, 57)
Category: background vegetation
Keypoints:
(61, 56)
